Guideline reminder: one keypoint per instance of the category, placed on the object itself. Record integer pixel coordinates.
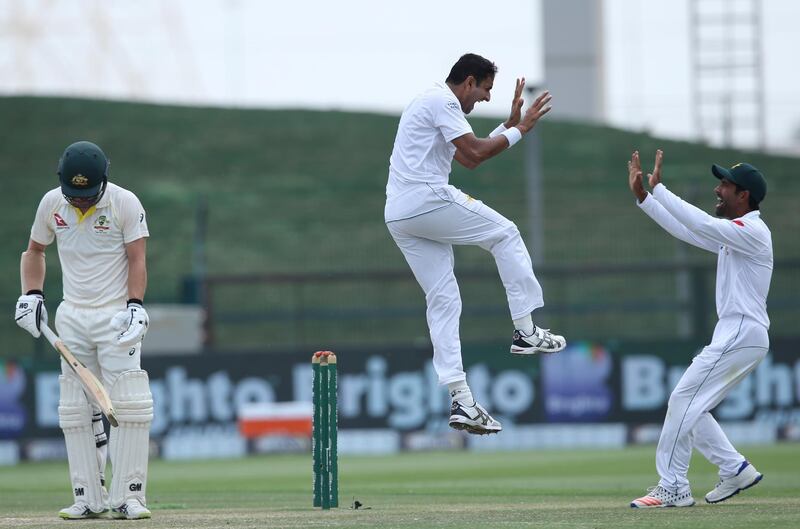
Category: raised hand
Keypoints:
(654, 178)
(516, 105)
(635, 177)
(538, 109)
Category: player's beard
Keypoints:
(721, 208)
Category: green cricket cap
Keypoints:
(745, 176)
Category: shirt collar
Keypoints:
(751, 214)
(104, 200)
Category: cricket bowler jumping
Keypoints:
(426, 216)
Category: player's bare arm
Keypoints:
(31, 313)
(471, 151)
(635, 177)
(137, 268)
(463, 160)
(32, 267)
(131, 324)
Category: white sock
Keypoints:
(460, 391)
(524, 324)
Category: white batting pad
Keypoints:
(130, 441)
(75, 419)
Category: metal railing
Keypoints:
(378, 308)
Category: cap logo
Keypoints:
(79, 180)
(737, 165)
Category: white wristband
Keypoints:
(498, 131)
(513, 135)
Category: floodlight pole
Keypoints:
(534, 189)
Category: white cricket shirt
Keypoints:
(423, 153)
(91, 247)
(743, 247)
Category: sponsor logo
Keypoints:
(60, 222)
(575, 383)
(132, 351)
(738, 222)
(79, 180)
(78, 491)
(453, 105)
(135, 487)
(141, 217)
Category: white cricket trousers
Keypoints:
(87, 332)
(427, 243)
(738, 345)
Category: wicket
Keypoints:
(325, 429)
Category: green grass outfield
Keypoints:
(564, 489)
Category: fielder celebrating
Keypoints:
(101, 230)
(743, 245)
(426, 216)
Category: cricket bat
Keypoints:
(91, 384)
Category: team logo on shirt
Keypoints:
(61, 224)
(101, 224)
(453, 105)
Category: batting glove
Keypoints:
(131, 323)
(31, 313)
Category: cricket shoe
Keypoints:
(540, 341)
(474, 419)
(744, 479)
(80, 511)
(132, 509)
(658, 496)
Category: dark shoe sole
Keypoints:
(93, 516)
(534, 350)
(474, 430)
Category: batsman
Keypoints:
(100, 229)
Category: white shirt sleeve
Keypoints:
(742, 236)
(449, 118)
(671, 225)
(42, 230)
(132, 218)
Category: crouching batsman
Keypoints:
(101, 230)
(743, 245)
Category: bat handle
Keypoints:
(50, 335)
